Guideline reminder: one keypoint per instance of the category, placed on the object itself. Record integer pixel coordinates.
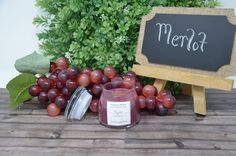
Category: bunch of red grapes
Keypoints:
(154, 101)
(63, 80)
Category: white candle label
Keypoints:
(118, 113)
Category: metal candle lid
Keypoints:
(78, 104)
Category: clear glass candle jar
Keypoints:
(118, 105)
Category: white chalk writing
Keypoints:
(176, 40)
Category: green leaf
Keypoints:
(18, 89)
(34, 63)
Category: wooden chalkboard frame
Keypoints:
(227, 70)
(195, 81)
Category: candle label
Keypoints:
(118, 113)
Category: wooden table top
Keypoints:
(29, 131)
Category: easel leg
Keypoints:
(159, 84)
(187, 89)
(199, 100)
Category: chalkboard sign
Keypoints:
(193, 46)
(194, 39)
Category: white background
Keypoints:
(18, 34)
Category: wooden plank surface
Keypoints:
(28, 131)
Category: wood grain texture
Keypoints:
(29, 131)
(159, 84)
(199, 100)
(187, 89)
(184, 77)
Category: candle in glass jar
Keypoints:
(118, 105)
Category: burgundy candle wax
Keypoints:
(118, 106)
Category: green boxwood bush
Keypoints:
(97, 33)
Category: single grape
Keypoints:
(105, 79)
(117, 83)
(142, 102)
(66, 93)
(94, 105)
(149, 90)
(97, 90)
(62, 63)
(130, 80)
(52, 94)
(161, 110)
(83, 80)
(46, 84)
(53, 78)
(169, 101)
(40, 80)
(34, 90)
(72, 72)
(138, 88)
(43, 98)
(61, 101)
(89, 88)
(131, 74)
(150, 102)
(62, 76)
(110, 72)
(60, 85)
(87, 71)
(162, 94)
(71, 85)
(117, 78)
(96, 76)
(52, 67)
(53, 110)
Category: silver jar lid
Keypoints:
(78, 104)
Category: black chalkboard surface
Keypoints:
(203, 42)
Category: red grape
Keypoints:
(60, 85)
(105, 79)
(138, 88)
(52, 94)
(94, 105)
(169, 101)
(162, 94)
(61, 102)
(161, 110)
(149, 90)
(53, 78)
(62, 63)
(66, 93)
(130, 80)
(43, 98)
(71, 85)
(117, 83)
(62, 76)
(87, 71)
(53, 110)
(46, 84)
(131, 74)
(117, 78)
(72, 72)
(40, 80)
(83, 80)
(97, 89)
(142, 103)
(52, 67)
(34, 90)
(96, 76)
(110, 72)
(150, 102)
